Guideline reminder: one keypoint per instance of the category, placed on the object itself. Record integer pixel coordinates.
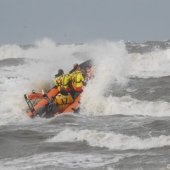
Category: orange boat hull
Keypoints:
(53, 92)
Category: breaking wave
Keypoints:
(98, 105)
(111, 140)
(152, 64)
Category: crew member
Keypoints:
(77, 80)
(58, 81)
(66, 83)
(63, 100)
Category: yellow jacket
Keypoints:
(63, 101)
(66, 80)
(62, 81)
(58, 82)
(77, 79)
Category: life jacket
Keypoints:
(77, 80)
(63, 81)
(63, 101)
(66, 82)
(59, 82)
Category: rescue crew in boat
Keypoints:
(68, 87)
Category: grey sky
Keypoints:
(24, 21)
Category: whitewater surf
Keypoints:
(124, 118)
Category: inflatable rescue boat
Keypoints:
(37, 102)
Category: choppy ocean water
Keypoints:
(124, 119)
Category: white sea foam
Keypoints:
(110, 140)
(11, 51)
(152, 64)
(98, 105)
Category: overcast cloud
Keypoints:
(24, 21)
